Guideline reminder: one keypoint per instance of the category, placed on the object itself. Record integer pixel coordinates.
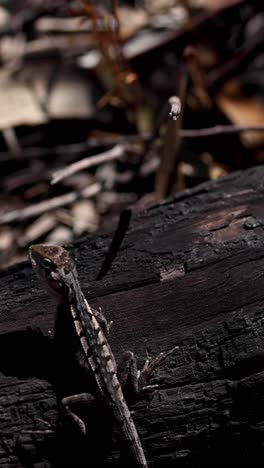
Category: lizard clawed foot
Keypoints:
(149, 388)
(42, 421)
(106, 326)
(37, 432)
(109, 326)
(150, 367)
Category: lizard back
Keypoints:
(102, 362)
(55, 267)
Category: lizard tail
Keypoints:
(130, 436)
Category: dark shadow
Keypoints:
(31, 354)
(27, 353)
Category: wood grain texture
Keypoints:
(190, 272)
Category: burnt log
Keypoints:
(189, 272)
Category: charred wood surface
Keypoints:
(190, 272)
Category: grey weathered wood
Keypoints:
(190, 272)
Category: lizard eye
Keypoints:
(46, 263)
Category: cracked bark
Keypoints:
(190, 272)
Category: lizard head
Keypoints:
(53, 264)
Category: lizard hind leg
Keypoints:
(77, 402)
(136, 381)
(127, 372)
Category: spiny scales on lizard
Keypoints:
(54, 265)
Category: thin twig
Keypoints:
(220, 130)
(49, 205)
(115, 153)
(234, 64)
(80, 148)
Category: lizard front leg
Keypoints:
(102, 320)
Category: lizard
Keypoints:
(88, 329)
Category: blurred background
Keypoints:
(113, 105)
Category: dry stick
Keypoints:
(195, 24)
(115, 153)
(11, 140)
(115, 14)
(49, 25)
(40, 227)
(198, 76)
(165, 177)
(172, 181)
(118, 151)
(64, 150)
(48, 205)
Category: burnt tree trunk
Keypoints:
(190, 272)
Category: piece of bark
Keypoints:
(190, 272)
